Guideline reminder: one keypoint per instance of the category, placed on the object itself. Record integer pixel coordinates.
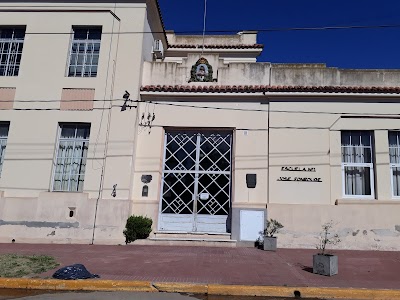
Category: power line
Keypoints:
(59, 100)
(271, 110)
(59, 109)
(277, 29)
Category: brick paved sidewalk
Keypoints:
(248, 266)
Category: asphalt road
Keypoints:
(41, 295)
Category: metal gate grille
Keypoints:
(196, 163)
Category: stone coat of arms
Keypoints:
(201, 71)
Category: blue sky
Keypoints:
(348, 48)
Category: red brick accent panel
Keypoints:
(7, 96)
(77, 99)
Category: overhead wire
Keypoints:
(148, 102)
(59, 109)
(266, 110)
(277, 29)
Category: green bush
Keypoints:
(137, 227)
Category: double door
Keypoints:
(196, 181)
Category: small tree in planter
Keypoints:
(325, 263)
(272, 227)
(137, 227)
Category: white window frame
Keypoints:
(59, 139)
(88, 43)
(3, 146)
(368, 165)
(394, 165)
(15, 48)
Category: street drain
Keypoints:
(297, 294)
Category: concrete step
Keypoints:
(186, 242)
(191, 235)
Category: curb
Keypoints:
(210, 289)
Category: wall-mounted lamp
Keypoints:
(125, 105)
(126, 98)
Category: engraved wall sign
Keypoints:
(299, 178)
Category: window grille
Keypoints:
(394, 155)
(357, 164)
(3, 142)
(71, 156)
(84, 52)
(11, 44)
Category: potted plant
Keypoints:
(272, 227)
(323, 262)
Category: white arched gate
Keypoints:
(196, 182)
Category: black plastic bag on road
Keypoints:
(72, 272)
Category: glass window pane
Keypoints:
(80, 33)
(71, 157)
(86, 43)
(95, 33)
(68, 131)
(345, 138)
(357, 181)
(71, 71)
(396, 181)
(393, 139)
(11, 44)
(79, 70)
(357, 147)
(4, 130)
(365, 138)
(83, 132)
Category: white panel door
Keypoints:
(251, 223)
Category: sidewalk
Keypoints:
(231, 266)
(216, 271)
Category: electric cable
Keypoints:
(277, 29)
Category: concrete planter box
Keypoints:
(270, 243)
(325, 264)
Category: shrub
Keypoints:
(271, 227)
(326, 237)
(137, 227)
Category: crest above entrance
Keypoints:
(201, 71)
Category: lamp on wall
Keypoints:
(126, 98)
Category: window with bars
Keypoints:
(394, 156)
(84, 52)
(3, 142)
(71, 156)
(357, 164)
(11, 44)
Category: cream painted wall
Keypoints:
(370, 226)
(307, 134)
(302, 134)
(249, 148)
(28, 166)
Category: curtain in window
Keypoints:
(394, 155)
(357, 162)
(3, 143)
(71, 158)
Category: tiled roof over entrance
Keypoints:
(267, 88)
(233, 46)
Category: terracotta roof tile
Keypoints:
(241, 46)
(266, 88)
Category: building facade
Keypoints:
(301, 143)
(64, 68)
(214, 142)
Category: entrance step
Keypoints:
(192, 235)
(189, 239)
